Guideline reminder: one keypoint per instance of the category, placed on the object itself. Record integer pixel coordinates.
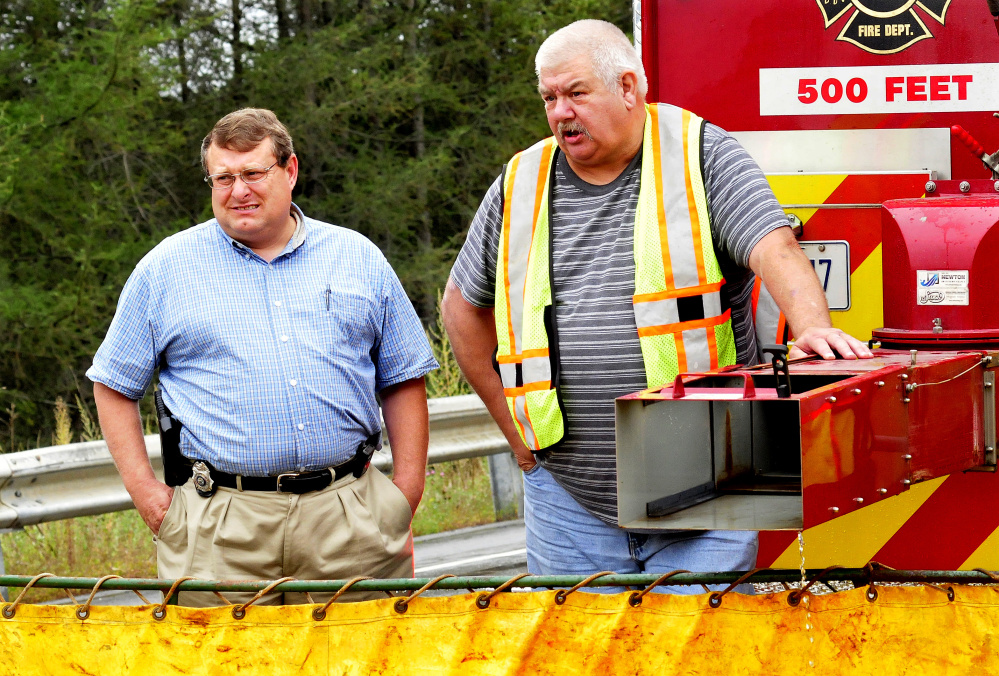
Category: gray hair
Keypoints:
(608, 48)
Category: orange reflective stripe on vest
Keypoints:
(678, 309)
(771, 325)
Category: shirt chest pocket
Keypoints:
(344, 323)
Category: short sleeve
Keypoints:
(402, 351)
(126, 360)
(474, 272)
(742, 205)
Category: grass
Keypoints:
(457, 495)
(90, 546)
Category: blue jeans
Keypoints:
(565, 539)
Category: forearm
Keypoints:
(791, 280)
(121, 425)
(788, 274)
(472, 332)
(404, 407)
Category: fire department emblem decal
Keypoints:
(883, 26)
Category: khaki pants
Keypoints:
(353, 527)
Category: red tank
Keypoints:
(940, 267)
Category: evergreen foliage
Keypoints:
(402, 111)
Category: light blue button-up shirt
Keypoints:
(271, 367)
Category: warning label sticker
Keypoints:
(942, 287)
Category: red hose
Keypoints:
(973, 145)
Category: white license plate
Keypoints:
(831, 260)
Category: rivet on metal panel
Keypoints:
(906, 457)
(906, 400)
(858, 500)
(932, 187)
(831, 400)
(996, 186)
(965, 186)
(880, 383)
(906, 482)
(822, 247)
(904, 376)
(882, 491)
(834, 509)
(989, 449)
(988, 385)
(855, 390)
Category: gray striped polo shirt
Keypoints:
(593, 268)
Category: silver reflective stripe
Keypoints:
(520, 408)
(524, 193)
(508, 374)
(656, 313)
(537, 370)
(695, 344)
(664, 312)
(674, 185)
(767, 318)
(712, 304)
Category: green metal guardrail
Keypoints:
(858, 576)
(640, 585)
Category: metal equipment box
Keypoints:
(723, 450)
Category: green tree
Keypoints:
(87, 187)
(403, 112)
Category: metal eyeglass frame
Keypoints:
(211, 178)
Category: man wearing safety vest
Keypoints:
(604, 260)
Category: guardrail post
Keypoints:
(508, 486)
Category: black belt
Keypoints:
(207, 478)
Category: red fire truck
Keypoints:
(864, 115)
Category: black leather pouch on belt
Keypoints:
(362, 458)
(176, 468)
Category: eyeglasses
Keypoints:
(224, 181)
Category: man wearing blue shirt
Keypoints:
(276, 336)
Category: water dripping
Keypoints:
(806, 599)
(801, 555)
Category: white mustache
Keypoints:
(564, 127)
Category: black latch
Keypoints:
(779, 361)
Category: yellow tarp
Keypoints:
(907, 630)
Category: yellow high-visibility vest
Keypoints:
(682, 326)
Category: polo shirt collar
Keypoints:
(297, 237)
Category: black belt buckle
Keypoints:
(293, 482)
